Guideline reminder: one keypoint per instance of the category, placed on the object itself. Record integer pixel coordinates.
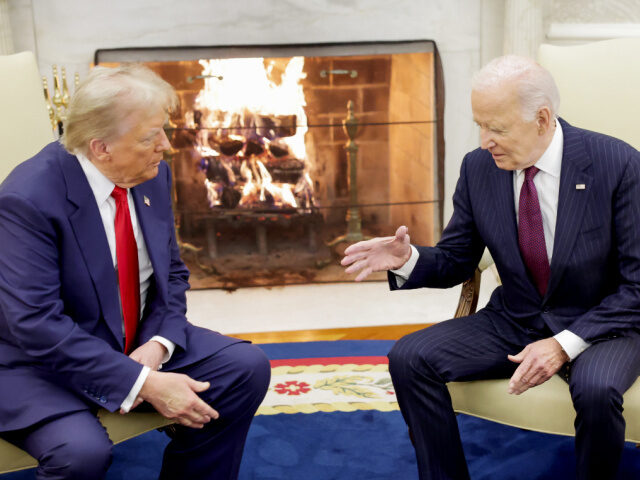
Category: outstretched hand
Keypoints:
(378, 254)
(539, 361)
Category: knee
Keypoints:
(403, 355)
(80, 457)
(253, 369)
(256, 368)
(597, 398)
(398, 355)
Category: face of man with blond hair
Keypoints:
(134, 156)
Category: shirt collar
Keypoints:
(551, 160)
(100, 185)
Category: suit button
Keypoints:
(102, 399)
(545, 310)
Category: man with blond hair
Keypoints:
(557, 207)
(92, 298)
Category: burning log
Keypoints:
(253, 147)
(275, 126)
(230, 197)
(230, 147)
(278, 150)
(287, 170)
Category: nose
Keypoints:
(486, 139)
(164, 143)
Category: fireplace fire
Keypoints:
(261, 174)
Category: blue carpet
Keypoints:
(365, 445)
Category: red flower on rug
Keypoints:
(292, 388)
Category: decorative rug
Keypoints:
(331, 414)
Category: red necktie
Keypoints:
(128, 275)
(531, 233)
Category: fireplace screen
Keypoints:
(284, 155)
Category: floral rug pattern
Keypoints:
(332, 384)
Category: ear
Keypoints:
(544, 120)
(99, 150)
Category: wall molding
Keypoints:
(567, 33)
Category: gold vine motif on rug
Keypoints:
(355, 385)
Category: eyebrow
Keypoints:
(152, 132)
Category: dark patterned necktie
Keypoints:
(531, 233)
(128, 270)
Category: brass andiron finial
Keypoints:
(354, 223)
(65, 88)
(58, 102)
(47, 101)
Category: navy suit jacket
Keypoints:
(594, 288)
(61, 341)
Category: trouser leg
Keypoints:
(239, 375)
(599, 378)
(73, 447)
(423, 362)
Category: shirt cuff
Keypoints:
(404, 272)
(126, 405)
(168, 344)
(571, 343)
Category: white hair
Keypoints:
(535, 85)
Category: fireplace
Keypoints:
(267, 180)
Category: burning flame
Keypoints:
(241, 103)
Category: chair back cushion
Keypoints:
(599, 85)
(24, 123)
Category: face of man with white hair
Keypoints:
(134, 156)
(514, 143)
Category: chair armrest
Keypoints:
(469, 295)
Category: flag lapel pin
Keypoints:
(147, 202)
(579, 186)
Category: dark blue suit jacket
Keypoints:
(594, 289)
(61, 341)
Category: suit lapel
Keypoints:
(89, 232)
(572, 202)
(505, 211)
(151, 221)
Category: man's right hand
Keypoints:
(378, 254)
(173, 395)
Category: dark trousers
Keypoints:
(76, 446)
(476, 347)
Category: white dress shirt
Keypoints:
(547, 182)
(102, 188)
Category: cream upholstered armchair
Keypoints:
(24, 129)
(598, 85)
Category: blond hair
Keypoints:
(535, 86)
(107, 97)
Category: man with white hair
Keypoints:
(92, 298)
(558, 209)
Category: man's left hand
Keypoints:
(539, 361)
